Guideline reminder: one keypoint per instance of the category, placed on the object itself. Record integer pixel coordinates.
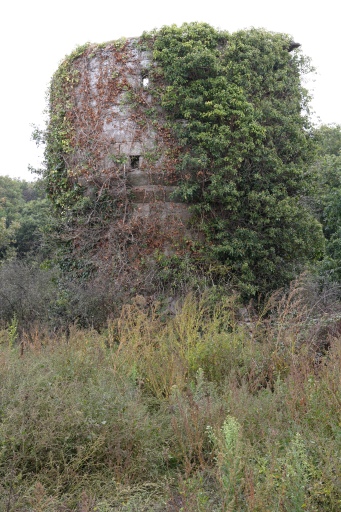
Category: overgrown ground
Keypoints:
(211, 408)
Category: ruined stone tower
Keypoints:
(187, 120)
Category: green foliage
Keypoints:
(327, 169)
(24, 211)
(228, 445)
(7, 238)
(329, 138)
(58, 136)
(245, 146)
(13, 330)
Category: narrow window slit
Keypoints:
(145, 79)
(134, 161)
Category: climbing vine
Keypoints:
(238, 109)
(59, 135)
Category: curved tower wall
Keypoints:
(120, 137)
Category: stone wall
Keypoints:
(120, 135)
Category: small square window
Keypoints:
(134, 161)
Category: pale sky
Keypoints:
(35, 35)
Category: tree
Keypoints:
(327, 168)
(23, 214)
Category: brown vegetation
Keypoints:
(193, 411)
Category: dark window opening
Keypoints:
(134, 161)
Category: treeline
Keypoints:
(326, 198)
(24, 210)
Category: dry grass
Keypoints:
(198, 411)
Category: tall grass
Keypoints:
(212, 408)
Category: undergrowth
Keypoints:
(211, 408)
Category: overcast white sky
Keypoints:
(36, 34)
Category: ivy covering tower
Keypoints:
(231, 138)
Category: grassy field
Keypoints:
(213, 408)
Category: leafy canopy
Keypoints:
(327, 169)
(23, 214)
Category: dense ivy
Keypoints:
(239, 111)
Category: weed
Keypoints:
(118, 421)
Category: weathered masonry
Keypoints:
(119, 138)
